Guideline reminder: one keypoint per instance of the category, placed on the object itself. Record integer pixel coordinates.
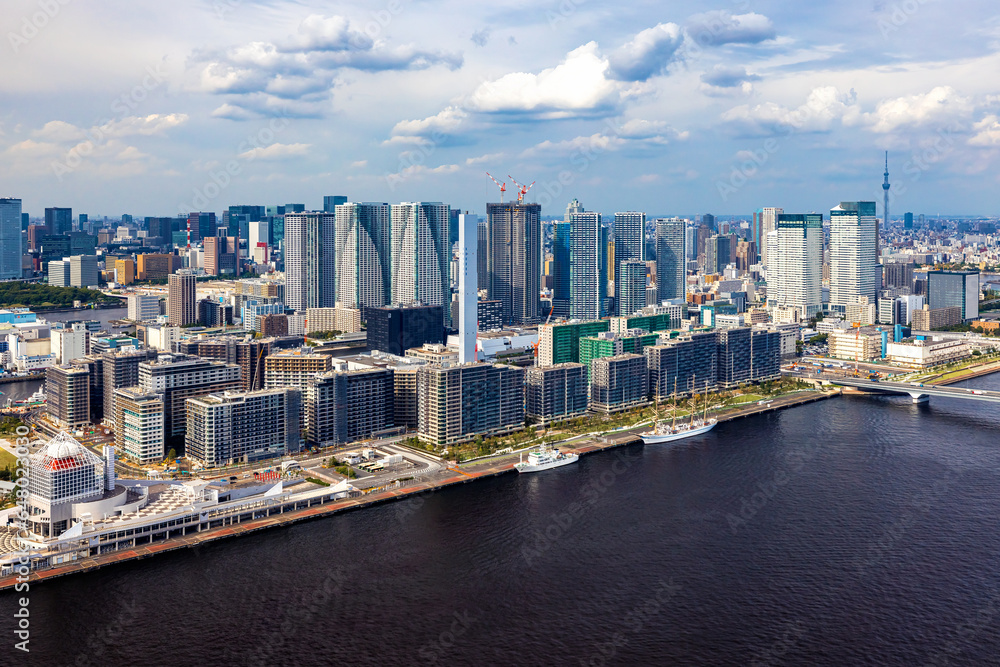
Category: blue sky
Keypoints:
(152, 108)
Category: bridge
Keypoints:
(919, 392)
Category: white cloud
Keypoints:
(940, 105)
(276, 151)
(720, 27)
(595, 143)
(446, 121)
(823, 106)
(359, 164)
(578, 85)
(648, 53)
(144, 125)
(483, 159)
(59, 131)
(987, 132)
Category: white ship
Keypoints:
(664, 431)
(544, 459)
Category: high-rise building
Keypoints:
(670, 263)
(363, 233)
(581, 267)
(231, 427)
(58, 221)
(395, 329)
(139, 425)
(272, 325)
(455, 403)
(854, 269)
(10, 239)
(331, 202)
(70, 343)
(682, 364)
(203, 225)
(490, 315)
(795, 273)
(179, 377)
(143, 307)
(611, 344)
(718, 253)
(630, 243)
(907, 220)
(294, 368)
(482, 253)
(573, 207)
(560, 343)
(343, 406)
(468, 276)
(747, 355)
(764, 221)
(515, 259)
(67, 389)
(899, 275)
(420, 255)
(618, 383)
(124, 271)
(630, 286)
(58, 272)
(119, 368)
(946, 289)
(83, 271)
(156, 266)
(182, 308)
(556, 392)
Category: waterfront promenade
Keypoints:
(452, 475)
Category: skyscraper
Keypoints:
(764, 221)
(331, 202)
(515, 259)
(954, 288)
(468, 281)
(482, 253)
(58, 221)
(10, 239)
(310, 260)
(631, 286)
(854, 269)
(181, 305)
(573, 207)
(362, 254)
(202, 224)
(630, 242)
(795, 274)
(420, 255)
(907, 220)
(670, 263)
(587, 274)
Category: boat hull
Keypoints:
(654, 439)
(528, 467)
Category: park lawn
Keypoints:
(8, 459)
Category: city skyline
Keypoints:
(277, 100)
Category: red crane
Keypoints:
(502, 186)
(521, 190)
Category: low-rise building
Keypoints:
(922, 353)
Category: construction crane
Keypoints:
(502, 186)
(521, 190)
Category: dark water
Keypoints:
(868, 536)
(103, 315)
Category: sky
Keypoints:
(156, 108)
